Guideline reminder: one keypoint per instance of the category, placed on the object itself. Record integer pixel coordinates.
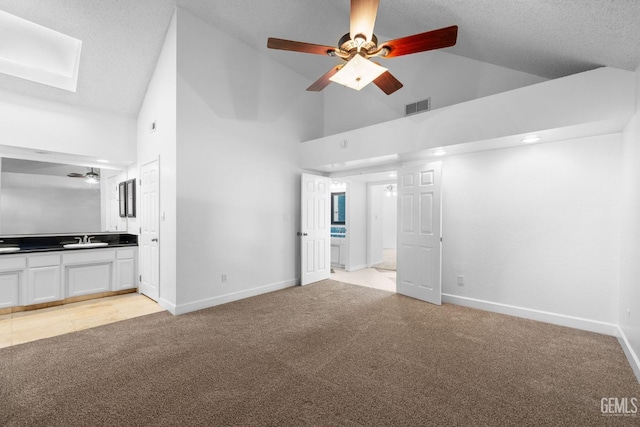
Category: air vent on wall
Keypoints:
(417, 107)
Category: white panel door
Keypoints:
(149, 230)
(315, 232)
(419, 231)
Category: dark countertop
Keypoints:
(54, 243)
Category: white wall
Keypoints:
(356, 225)
(536, 227)
(240, 117)
(160, 105)
(557, 107)
(38, 124)
(629, 321)
(448, 79)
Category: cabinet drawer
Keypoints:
(44, 260)
(89, 256)
(13, 263)
(126, 253)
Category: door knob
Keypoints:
(154, 240)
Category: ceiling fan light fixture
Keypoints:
(91, 180)
(91, 177)
(357, 73)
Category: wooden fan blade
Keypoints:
(436, 39)
(363, 17)
(387, 83)
(323, 81)
(273, 43)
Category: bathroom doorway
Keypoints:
(383, 220)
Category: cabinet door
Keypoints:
(88, 279)
(10, 288)
(126, 274)
(44, 285)
(335, 254)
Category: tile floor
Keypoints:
(389, 257)
(369, 277)
(25, 326)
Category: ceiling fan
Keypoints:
(91, 177)
(360, 45)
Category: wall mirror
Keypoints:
(338, 208)
(42, 197)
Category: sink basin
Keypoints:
(3, 250)
(84, 245)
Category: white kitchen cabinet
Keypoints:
(125, 269)
(43, 284)
(37, 278)
(88, 279)
(338, 252)
(88, 272)
(11, 280)
(10, 288)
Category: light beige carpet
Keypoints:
(321, 355)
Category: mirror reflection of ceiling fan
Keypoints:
(360, 45)
(90, 177)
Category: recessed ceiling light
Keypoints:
(530, 139)
(102, 160)
(33, 52)
(439, 152)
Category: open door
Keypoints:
(419, 231)
(315, 230)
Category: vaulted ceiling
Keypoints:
(123, 38)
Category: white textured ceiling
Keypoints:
(122, 38)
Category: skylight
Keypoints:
(33, 52)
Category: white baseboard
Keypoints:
(357, 267)
(632, 357)
(539, 315)
(169, 306)
(234, 296)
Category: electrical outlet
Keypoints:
(224, 278)
(461, 280)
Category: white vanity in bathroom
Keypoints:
(42, 273)
(38, 278)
